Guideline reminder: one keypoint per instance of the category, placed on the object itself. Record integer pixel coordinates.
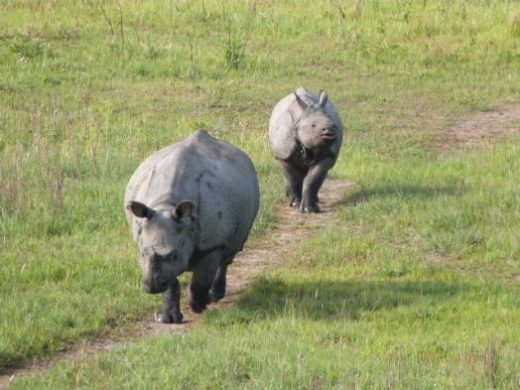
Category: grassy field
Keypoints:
(417, 288)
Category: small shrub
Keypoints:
(28, 48)
(234, 51)
(515, 25)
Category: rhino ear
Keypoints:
(300, 101)
(323, 99)
(185, 209)
(140, 210)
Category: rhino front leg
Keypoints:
(312, 184)
(171, 310)
(202, 280)
(294, 177)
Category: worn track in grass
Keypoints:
(291, 228)
(481, 128)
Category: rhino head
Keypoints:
(315, 128)
(166, 242)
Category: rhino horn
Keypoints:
(140, 210)
(185, 209)
(323, 99)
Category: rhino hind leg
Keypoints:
(171, 310)
(294, 177)
(218, 288)
(312, 184)
(202, 280)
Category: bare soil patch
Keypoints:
(291, 228)
(481, 128)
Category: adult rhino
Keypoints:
(191, 206)
(305, 133)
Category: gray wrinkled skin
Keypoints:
(191, 207)
(305, 134)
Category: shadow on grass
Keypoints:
(404, 191)
(269, 298)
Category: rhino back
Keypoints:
(218, 177)
(229, 193)
(284, 116)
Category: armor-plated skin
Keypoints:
(305, 134)
(191, 206)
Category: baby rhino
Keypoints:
(191, 206)
(305, 133)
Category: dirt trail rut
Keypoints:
(291, 228)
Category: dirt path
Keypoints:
(291, 228)
(478, 129)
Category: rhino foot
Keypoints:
(163, 318)
(310, 208)
(177, 319)
(294, 202)
(168, 319)
(216, 296)
(196, 307)
(198, 301)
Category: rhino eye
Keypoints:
(314, 125)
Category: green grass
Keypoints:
(416, 287)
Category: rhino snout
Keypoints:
(328, 133)
(154, 286)
(153, 283)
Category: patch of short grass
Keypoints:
(460, 211)
(326, 329)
